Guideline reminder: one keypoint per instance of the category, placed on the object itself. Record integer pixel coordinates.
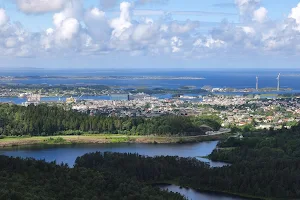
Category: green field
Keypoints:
(101, 138)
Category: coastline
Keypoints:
(103, 139)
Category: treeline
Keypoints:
(272, 174)
(265, 179)
(53, 120)
(28, 179)
(280, 144)
(143, 168)
(269, 163)
(130, 177)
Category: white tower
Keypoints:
(256, 83)
(278, 82)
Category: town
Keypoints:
(237, 108)
(259, 112)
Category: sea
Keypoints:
(217, 78)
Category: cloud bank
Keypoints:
(79, 31)
(40, 6)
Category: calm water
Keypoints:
(216, 78)
(17, 100)
(68, 153)
(197, 195)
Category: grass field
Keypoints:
(102, 138)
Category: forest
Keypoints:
(44, 120)
(264, 165)
(28, 179)
(278, 179)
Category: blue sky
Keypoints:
(277, 10)
(149, 33)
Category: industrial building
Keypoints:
(34, 99)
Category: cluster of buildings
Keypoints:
(8, 92)
(146, 107)
(259, 113)
(222, 100)
(45, 90)
(238, 111)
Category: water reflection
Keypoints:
(69, 153)
(198, 195)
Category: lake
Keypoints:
(197, 195)
(68, 154)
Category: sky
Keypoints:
(152, 34)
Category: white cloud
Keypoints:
(68, 29)
(11, 42)
(14, 39)
(183, 28)
(97, 24)
(3, 17)
(58, 18)
(144, 32)
(260, 15)
(108, 4)
(209, 43)
(248, 30)
(123, 23)
(295, 15)
(92, 31)
(246, 8)
(176, 44)
(72, 9)
(40, 6)
(151, 1)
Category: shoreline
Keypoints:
(207, 190)
(103, 139)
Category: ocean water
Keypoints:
(215, 78)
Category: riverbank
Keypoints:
(104, 139)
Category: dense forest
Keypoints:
(131, 176)
(279, 144)
(28, 179)
(269, 179)
(53, 120)
(269, 163)
(143, 168)
(265, 165)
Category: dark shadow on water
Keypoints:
(192, 194)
